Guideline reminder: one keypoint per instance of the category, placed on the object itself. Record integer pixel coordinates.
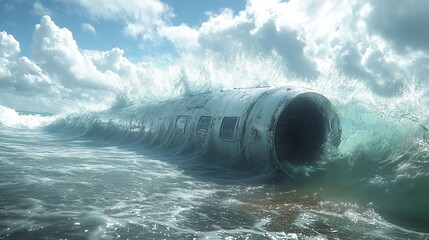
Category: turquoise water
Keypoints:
(85, 176)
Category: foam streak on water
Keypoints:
(87, 174)
(77, 177)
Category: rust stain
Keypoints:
(272, 124)
(255, 133)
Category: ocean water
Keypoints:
(85, 175)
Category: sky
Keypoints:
(58, 54)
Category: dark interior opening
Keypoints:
(300, 132)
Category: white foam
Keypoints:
(11, 118)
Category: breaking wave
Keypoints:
(381, 163)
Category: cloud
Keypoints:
(59, 73)
(141, 18)
(28, 78)
(19, 74)
(183, 36)
(404, 25)
(62, 74)
(55, 49)
(374, 41)
(41, 10)
(9, 46)
(286, 43)
(86, 27)
(253, 30)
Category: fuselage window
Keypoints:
(204, 125)
(227, 129)
(181, 124)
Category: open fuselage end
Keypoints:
(276, 128)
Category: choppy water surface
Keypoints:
(74, 178)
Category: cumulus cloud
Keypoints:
(86, 27)
(57, 52)
(404, 24)
(141, 18)
(251, 29)
(19, 74)
(183, 36)
(9, 46)
(4, 69)
(60, 71)
(375, 41)
(28, 78)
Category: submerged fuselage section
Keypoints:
(265, 128)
